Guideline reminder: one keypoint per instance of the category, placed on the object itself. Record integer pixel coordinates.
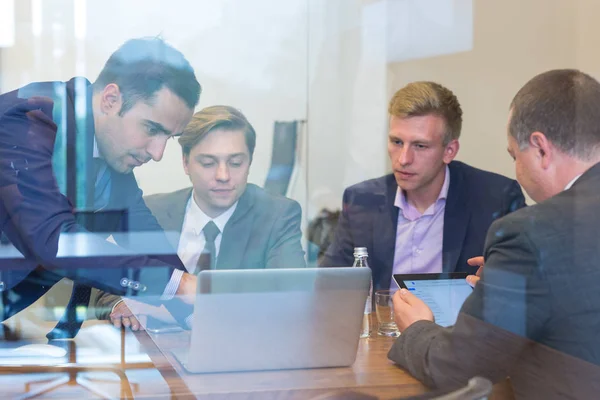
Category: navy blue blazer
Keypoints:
(35, 210)
(369, 219)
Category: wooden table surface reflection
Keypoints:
(371, 374)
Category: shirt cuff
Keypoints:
(189, 320)
(115, 306)
(172, 286)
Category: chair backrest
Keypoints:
(285, 139)
(321, 232)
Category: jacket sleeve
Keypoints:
(286, 250)
(37, 216)
(501, 318)
(102, 303)
(140, 219)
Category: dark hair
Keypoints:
(563, 104)
(216, 117)
(141, 67)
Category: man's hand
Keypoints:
(122, 316)
(187, 288)
(409, 309)
(474, 262)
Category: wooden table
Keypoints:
(371, 374)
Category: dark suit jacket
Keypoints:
(263, 232)
(535, 313)
(33, 210)
(369, 219)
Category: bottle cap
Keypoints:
(360, 252)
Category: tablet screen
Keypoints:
(443, 293)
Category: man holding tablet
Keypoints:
(534, 315)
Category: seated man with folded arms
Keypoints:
(432, 213)
(239, 224)
(534, 314)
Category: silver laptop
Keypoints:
(271, 319)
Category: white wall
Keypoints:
(347, 98)
(248, 54)
(262, 56)
(588, 36)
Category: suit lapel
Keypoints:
(79, 136)
(237, 233)
(174, 212)
(79, 132)
(87, 146)
(456, 219)
(384, 235)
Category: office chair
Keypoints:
(284, 157)
(477, 388)
(70, 369)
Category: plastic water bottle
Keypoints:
(360, 261)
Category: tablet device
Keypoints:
(444, 293)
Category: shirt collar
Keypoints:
(200, 219)
(572, 182)
(402, 203)
(96, 152)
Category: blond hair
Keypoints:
(216, 117)
(428, 98)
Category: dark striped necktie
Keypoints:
(208, 257)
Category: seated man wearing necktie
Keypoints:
(236, 224)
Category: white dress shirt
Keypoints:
(192, 241)
(572, 182)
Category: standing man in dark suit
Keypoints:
(238, 224)
(534, 315)
(67, 151)
(432, 213)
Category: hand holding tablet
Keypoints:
(409, 309)
(444, 293)
(475, 262)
